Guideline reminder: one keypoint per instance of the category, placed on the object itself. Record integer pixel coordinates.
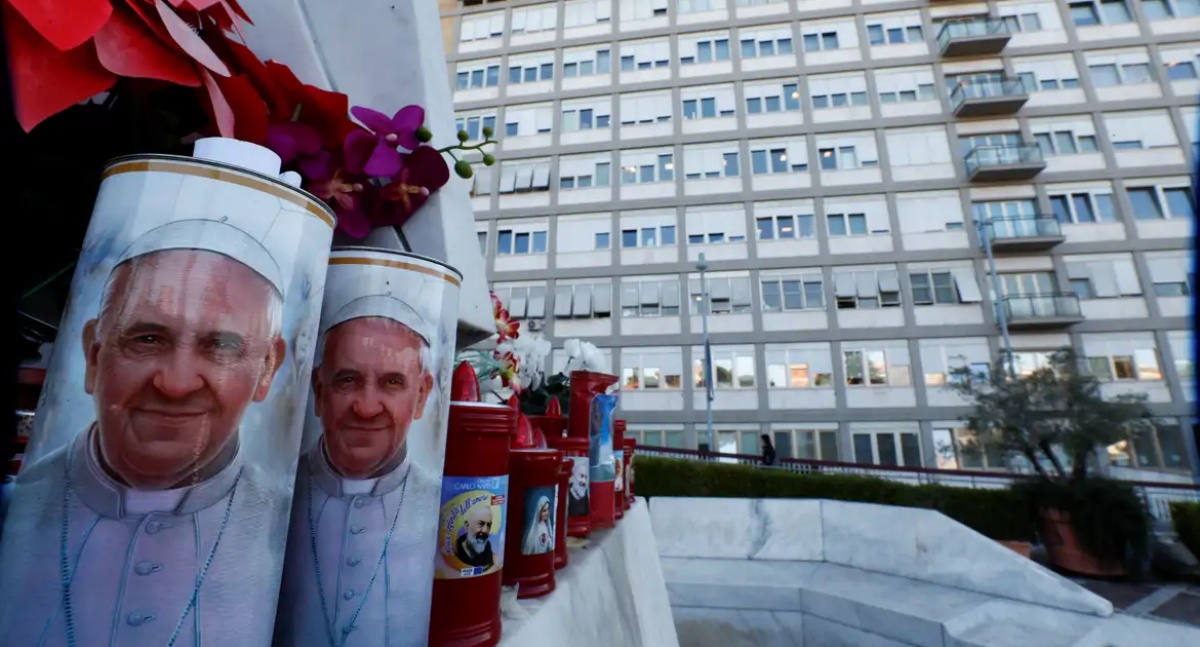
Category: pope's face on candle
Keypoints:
(371, 384)
(184, 342)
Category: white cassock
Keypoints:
(134, 559)
(350, 522)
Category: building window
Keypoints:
(474, 126)
(1083, 207)
(879, 34)
(964, 449)
(1064, 142)
(791, 293)
(726, 295)
(647, 168)
(650, 298)
(660, 236)
(603, 240)
(1161, 448)
(732, 369)
(887, 448)
(770, 161)
(799, 368)
(655, 438)
(523, 302)
(847, 224)
(583, 301)
(806, 444)
(826, 40)
(574, 120)
(1047, 80)
(488, 77)
(761, 47)
(1098, 12)
(1157, 203)
(530, 72)
(774, 98)
(482, 242)
(866, 289)
(588, 64)
(651, 370)
(601, 176)
(523, 242)
(1023, 23)
(1167, 9)
(865, 367)
(707, 51)
(933, 288)
(842, 158)
(785, 227)
(1140, 366)
(1111, 74)
(839, 100)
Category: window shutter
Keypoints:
(968, 288)
(630, 297)
(650, 293)
(602, 298)
(1104, 279)
(582, 305)
(1127, 278)
(740, 291)
(537, 303)
(670, 294)
(866, 285)
(562, 301)
(844, 285)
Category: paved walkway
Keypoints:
(1156, 601)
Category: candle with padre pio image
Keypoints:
(152, 507)
(365, 508)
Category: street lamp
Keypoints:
(702, 265)
(985, 227)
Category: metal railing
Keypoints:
(970, 28)
(990, 89)
(982, 157)
(1041, 306)
(1018, 227)
(1156, 496)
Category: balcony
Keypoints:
(1042, 311)
(1004, 162)
(988, 98)
(1023, 233)
(982, 36)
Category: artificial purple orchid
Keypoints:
(293, 140)
(377, 148)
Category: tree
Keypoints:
(1058, 408)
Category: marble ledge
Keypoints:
(612, 592)
(914, 543)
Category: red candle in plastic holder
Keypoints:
(552, 424)
(578, 492)
(630, 443)
(471, 534)
(560, 526)
(532, 513)
(618, 441)
(584, 386)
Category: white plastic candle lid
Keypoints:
(252, 157)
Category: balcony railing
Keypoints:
(973, 36)
(1006, 162)
(1057, 307)
(1156, 496)
(1001, 96)
(1016, 228)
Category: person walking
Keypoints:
(768, 451)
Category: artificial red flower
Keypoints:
(507, 371)
(506, 327)
(60, 57)
(423, 172)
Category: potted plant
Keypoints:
(1055, 420)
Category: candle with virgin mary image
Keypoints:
(539, 522)
(152, 507)
(365, 508)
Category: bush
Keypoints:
(1185, 515)
(999, 514)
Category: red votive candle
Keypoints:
(560, 527)
(532, 515)
(618, 440)
(584, 386)
(629, 494)
(578, 492)
(471, 536)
